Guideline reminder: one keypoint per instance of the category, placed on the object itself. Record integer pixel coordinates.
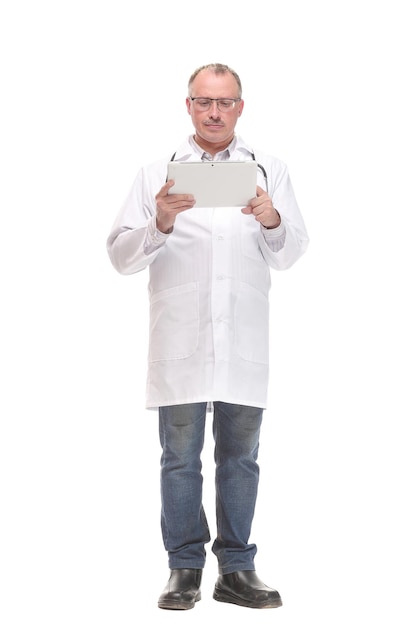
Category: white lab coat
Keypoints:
(209, 283)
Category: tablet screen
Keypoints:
(215, 183)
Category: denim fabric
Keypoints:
(236, 431)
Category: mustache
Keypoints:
(213, 119)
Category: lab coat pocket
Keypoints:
(174, 322)
(252, 325)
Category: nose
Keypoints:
(213, 110)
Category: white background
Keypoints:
(90, 92)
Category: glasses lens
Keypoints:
(204, 104)
(226, 104)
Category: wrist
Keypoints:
(166, 229)
(276, 224)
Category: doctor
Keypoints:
(209, 281)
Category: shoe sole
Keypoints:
(178, 606)
(223, 596)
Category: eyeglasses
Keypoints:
(223, 104)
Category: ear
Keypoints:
(241, 106)
(188, 105)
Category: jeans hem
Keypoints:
(229, 569)
(187, 565)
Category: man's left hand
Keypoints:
(263, 210)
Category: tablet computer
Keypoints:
(215, 183)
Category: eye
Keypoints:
(203, 102)
(226, 103)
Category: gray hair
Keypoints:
(217, 68)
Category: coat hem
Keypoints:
(152, 406)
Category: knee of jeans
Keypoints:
(182, 446)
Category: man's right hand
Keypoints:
(169, 205)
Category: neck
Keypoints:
(212, 148)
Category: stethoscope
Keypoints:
(260, 167)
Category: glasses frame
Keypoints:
(217, 100)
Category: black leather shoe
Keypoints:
(182, 589)
(246, 589)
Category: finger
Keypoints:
(180, 198)
(187, 197)
(260, 191)
(163, 193)
(164, 189)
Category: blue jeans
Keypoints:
(236, 431)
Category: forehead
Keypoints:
(208, 83)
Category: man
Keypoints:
(209, 278)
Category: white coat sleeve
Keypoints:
(283, 246)
(134, 240)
